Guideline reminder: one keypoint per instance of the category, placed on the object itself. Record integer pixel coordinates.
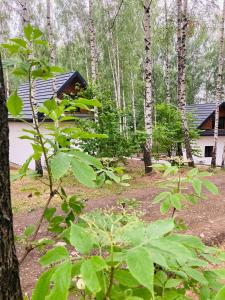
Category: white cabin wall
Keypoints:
(208, 141)
(20, 149)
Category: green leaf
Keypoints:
(99, 263)
(125, 278)
(90, 277)
(83, 173)
(20, 42)
(15, 104)
(211, 187)
(172, 283)
(140, 264)
(29, 230)
(165, 206)
(54, 255)
(161, 196)
(80, 239)
(159, 228)
(42, 286)
(60, 165)
(90, 160)
(193, 172)
(221, 294)
(28, 30)
(197, 185)
(61, 281)
(196, 275)
(49, 212)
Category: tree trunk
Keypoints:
(25, 21)
(218, 88)
(94, 55)
(9, 270)
(52, 47)
(223, 158)
(182, 24)
(148, 105)
(24, 12)
(167, 77)
(133, 104)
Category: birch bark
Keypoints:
(148, 104)
(94, 54)
(182, 24)
(25, 21)
(219, 87)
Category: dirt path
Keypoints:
(206, 219)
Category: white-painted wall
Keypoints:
(208, 141)
(20, 149)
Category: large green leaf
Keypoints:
(90, 277)
(15, 104)
(80, 239)
(221, 294)
(90, 160)
(140, 264)
(54, 255)
(60, 165)
(83, 172)
(125, 278)
(211, 187)
(61, 282)
(42, 286)
(159, 228)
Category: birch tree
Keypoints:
(218, 87)
(94, 54)
(148, 103)
(182, 23)
(52, 46)
(9, 269)
(167, 78)
(25, 22)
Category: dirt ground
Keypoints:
(206, 219)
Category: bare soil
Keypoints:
(206, 219)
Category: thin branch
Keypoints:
(116, 15)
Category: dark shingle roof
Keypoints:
(201, 112)
(43, 90)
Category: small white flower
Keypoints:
(60, 244)
(80, 284)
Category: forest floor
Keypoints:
(206, 219)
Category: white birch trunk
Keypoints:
(148, 87)
(133, 103)
(52, 47)
(219, 87)
(94, 55)
(182, 24)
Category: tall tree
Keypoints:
(148, 103)
(94, 53)
(219, 87)
(9, 269)
(167, 78)
(25, 21)
(51, 45)
(182, 23)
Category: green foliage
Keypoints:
(118, 259)
(117, 144)
(168, 133)
(177, 184)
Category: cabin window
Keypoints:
(208, 151)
